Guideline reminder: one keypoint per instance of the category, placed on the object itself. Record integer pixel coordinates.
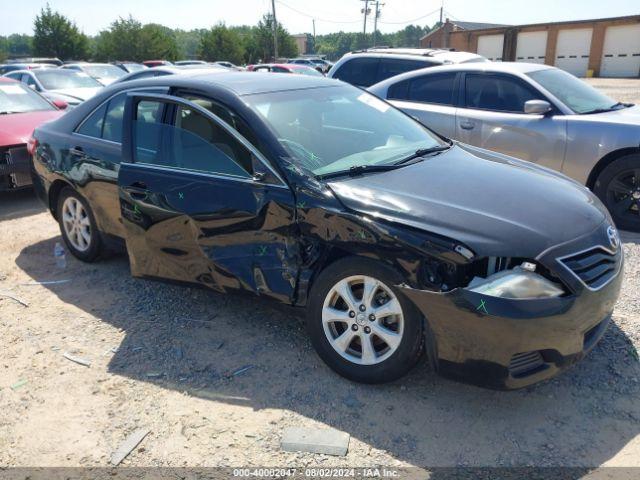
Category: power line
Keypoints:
(314, 16)
(412, 20)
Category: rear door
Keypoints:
(429, 98)
(200, 204)
(492, 116)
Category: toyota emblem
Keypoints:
(614, 239)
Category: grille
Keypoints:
(525, 363)
(594, 267)
(15, 162)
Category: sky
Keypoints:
(91, 16)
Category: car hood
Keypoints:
(623, 116)
(495, 204)
(79, 94)
(16, 128)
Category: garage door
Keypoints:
(621, 52)
(572, 50)
(490, 46)
(531, 47)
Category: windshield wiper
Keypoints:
(359, 170)
(7, 112)
(615, 106)
(422, 152)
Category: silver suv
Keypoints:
(366, 67)
(537, 113)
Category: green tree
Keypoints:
(120, 41)
(221, 43)
(54, 35)
(157, 42)
(263, 37)
(188, 42)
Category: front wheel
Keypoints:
(361, 325)
(618, 186)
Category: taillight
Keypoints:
(32, 145)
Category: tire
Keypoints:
(618, 186)
(404, 332)
(85, 221)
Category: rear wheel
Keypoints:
(618, 186)
(78, 226)
(361, 325)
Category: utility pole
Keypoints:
(275, 32)
(365, 11)
(375, 21)
(314, 34)
(441, 11)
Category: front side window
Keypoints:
(192, 142)
(436, 89)
(360, 71)
(17, 98)
(332, 129)
(497, 93)
(573, 92)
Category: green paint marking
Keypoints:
(301, 204)
(362, 234)
(482, 307)
(262, 250)
(136, 209)
(20, 383)
(180, 195)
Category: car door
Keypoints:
(200, 204)
(430, 98)
(492, 117)
(95, 148)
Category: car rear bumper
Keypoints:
(509, 344)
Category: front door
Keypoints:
(200, 204)
(492, 117)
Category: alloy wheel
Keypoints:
(363, 320)
(623, 194)
(77, 225)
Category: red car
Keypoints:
(156, 63)
(21, 111)
(284, 68)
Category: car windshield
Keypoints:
(307, 71)
(103, 71)
(54, 79)
(18, 98)
(573, 92)
(333, 129)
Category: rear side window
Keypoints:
(92, 126)
(390, 67)
(436, 89)
(360, 71)
(398, 91)
(497, 92)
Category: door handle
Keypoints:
(467, 125)
(77, 152)
(137, 190)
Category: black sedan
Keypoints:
(317, 194)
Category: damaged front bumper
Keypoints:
(511, 343)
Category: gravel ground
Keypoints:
(174, 360)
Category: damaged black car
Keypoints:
(314, 193)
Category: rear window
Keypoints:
(361, 71)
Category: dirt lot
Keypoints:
(173, 359)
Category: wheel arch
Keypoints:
(54, 193)
(607, 160)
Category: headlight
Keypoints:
(515, 283)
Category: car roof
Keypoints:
(244, 83)
(426, 55)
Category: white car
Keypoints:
(105, 73)
(57, 84)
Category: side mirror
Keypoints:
(537, 107)
(61, 104)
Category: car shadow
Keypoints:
(19, 203)
(244, 351)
